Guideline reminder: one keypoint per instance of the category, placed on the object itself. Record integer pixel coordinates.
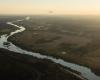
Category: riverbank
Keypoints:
(15, 66)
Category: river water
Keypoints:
(85, 71)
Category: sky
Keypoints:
(72, 7)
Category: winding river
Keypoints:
(85, 71)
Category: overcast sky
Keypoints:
(45, 6)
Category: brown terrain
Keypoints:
(15, 66)
(74, 40)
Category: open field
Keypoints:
(75, 39)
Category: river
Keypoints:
(85, 71)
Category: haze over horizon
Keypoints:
(72, 7)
